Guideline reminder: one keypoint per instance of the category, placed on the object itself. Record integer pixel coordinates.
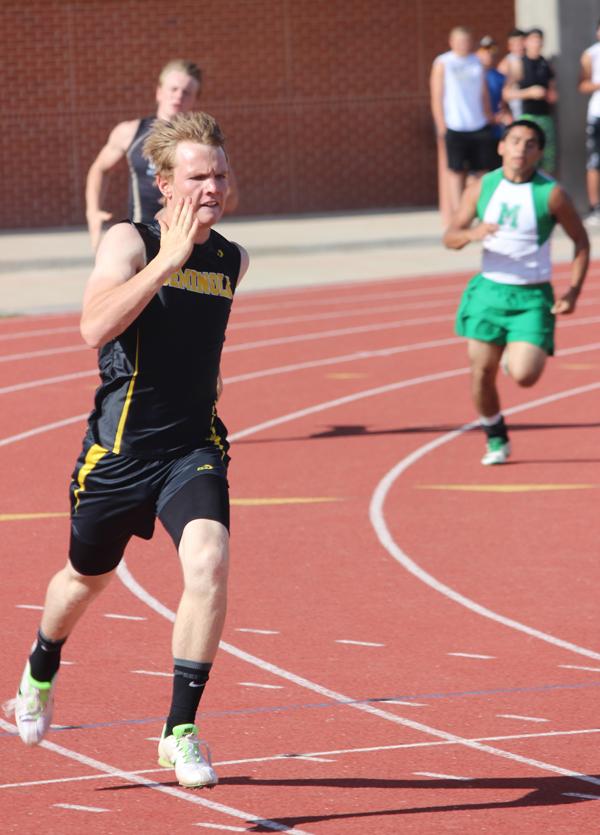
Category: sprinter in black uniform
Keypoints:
(156, 306)
(177, 92)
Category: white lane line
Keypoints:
(48, 381)
(180, 794)
(330, 334)
(384, 535)
(264, 686)
(440, 776)
(579, 667)
(40, 430)
(142, 594)
(266, 372)
(47, 352)
(123, 617)
(221, 828)
(582, 796)
(257, 631)
(345, 314)
(471, 655)
(312, 755)
(350, 398)
(340, 358)
(308, 757)
(40, 332)
(404, 704)
(357, 643)
(347, 299)
(152, 673)
(29, 606)
(77, 808)
(521, 718)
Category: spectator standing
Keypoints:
(532, 81)
(589, 83)
(516, 50)
(461, 111)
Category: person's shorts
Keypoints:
(592, 145)
(502, 313)
(114, 497)
(471, 150)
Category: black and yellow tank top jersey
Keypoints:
(158, 386)
(144, 197)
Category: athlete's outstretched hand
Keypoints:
(177, 236)
(566, 303)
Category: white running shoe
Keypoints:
(182, 751)
(497, 452)
(32, 707)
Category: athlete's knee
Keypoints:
(205, 559)
(526, 377)
(85, 585)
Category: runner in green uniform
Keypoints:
(510, 306)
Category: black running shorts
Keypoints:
(114, 497)
(471, 150)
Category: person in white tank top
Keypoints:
(589, 83)
(462, 115)
(508, 310)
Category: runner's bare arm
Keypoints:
(122, 284)
(115, 149)
(460, 232)
(565, 213)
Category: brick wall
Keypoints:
(324, 102)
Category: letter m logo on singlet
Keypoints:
(509, 215)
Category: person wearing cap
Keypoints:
(487, 52)
(532, 81)
(589, 83)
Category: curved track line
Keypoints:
(143, 595)
(132, 777)
(377, 518)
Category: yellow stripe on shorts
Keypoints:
(94, 454)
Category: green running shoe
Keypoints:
(497, 452)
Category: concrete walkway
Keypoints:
(45, 271)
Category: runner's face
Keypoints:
(176, 94)
(520, 152)
(200, 173)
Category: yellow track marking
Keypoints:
(13, 517)
(506, 488)
(578, 366)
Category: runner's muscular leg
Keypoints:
(204, 555)
(485, 359)
(68, 596)
(525, 362)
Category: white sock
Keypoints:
(490, 421)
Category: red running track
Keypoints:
(411, 645)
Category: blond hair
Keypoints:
(181, 65)
(162, 141)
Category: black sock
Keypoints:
(189, 681)
(44, 661)
(496, 430)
